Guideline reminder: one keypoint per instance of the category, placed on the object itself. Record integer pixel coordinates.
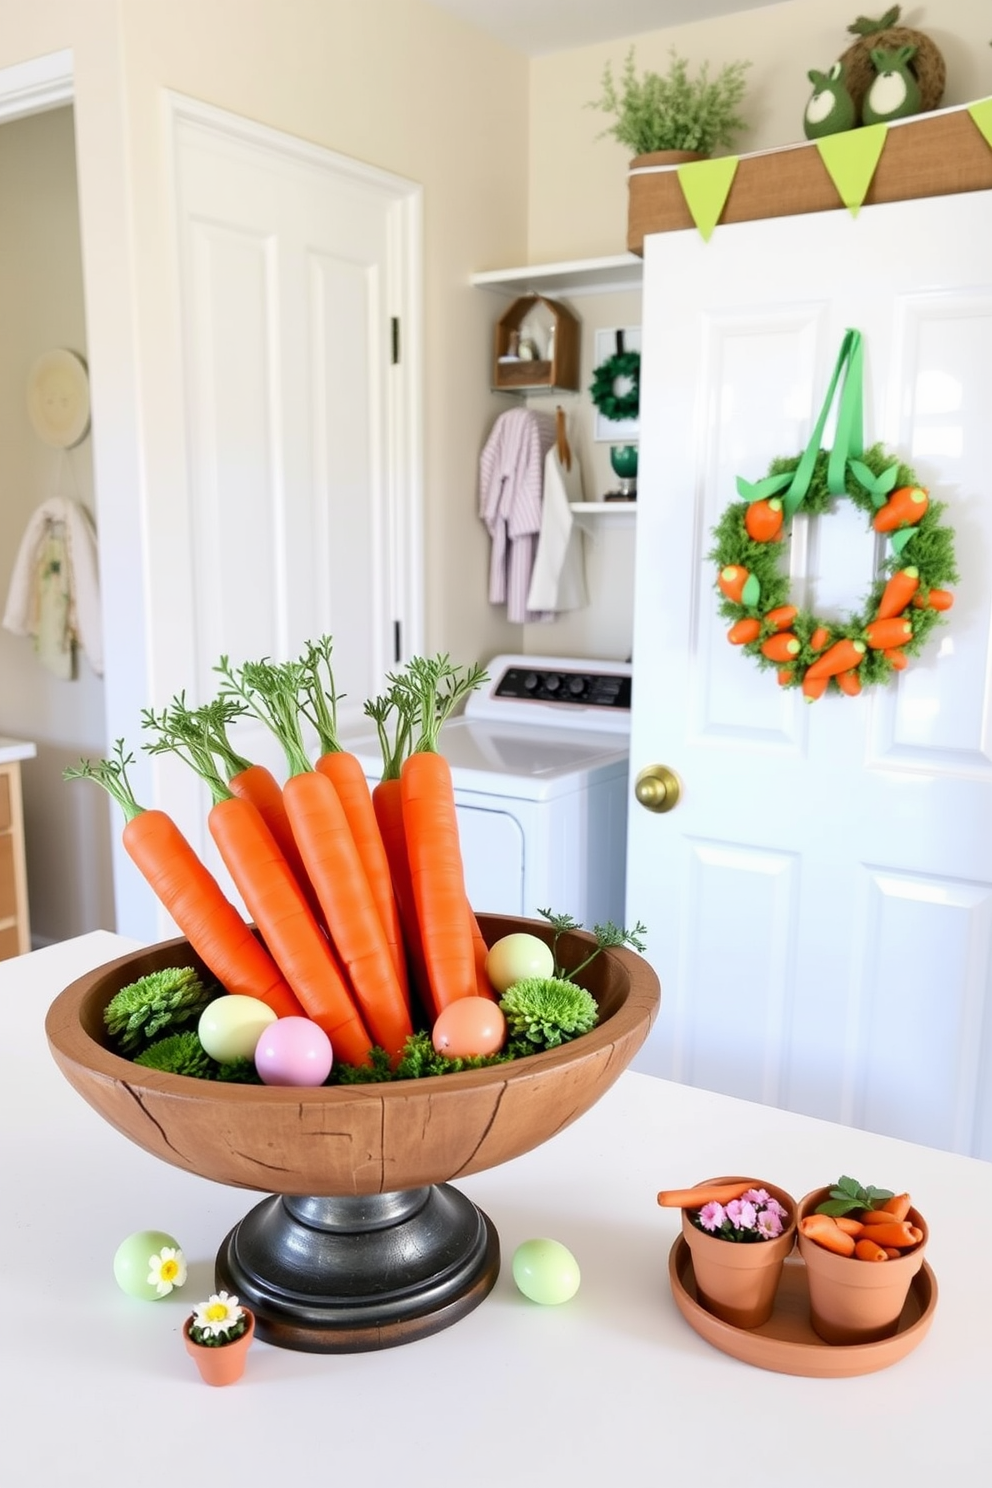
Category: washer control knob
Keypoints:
(577, 686)
(552, 682)
(530, 681)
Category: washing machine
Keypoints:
(539, 761)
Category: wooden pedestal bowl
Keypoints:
(363, 1243)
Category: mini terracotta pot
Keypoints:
(852, 1301)
(225, 1364)
(737, 1280)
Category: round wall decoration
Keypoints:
(58, 396)
(906, 600)
(616, 386)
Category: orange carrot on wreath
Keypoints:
(903, 508)
(188, 890)
(743, 631)
(430, 826)
(936, 599)
(898, 593)
(814, 687)
(842, 656)
(276, 903)
(737, 584)
(783, 646)
(819, 638)
(782, 616)
(763, 519)
(849, 683)
(883, 635)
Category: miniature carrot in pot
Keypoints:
(867, 1250)
(937, 599)
(904, 507)
(191, 894)
(899, 1233)
(743, 631)
(897, 593)
(882, 635)
(848, 1225)
(842, 656)
(763, 519)
(781, 647)
(897, 1207)
(823, 1230)
(703, 1193)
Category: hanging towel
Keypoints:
(511, 480)
(54, 593)
(558, 580)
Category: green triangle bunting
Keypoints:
(706, 185)
(981, 114)
(850, 159)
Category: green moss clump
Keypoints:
(179, 1054)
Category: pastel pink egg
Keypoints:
(293, 1051)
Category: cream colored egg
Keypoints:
(231, 1026)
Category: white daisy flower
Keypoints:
(218, 1314)
(166, 1270)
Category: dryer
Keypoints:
(539, 761)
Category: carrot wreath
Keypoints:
(273, 898)
(190, 893)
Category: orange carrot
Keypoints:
(882, 635)
(275, 901)
(898, 660)
(892, 1252)
(191, 894)
(814, 687)
(337, 873)
(785, 676)
(897, 593)
(782, 617)
(898, 1206)
(900, 1233)
(937, 599)
(904, 507)
(819, 638)
(841, 657)
(703, 1193)
(848, 1225)
(849, 683)
(867, 1250)
(431, 826)
(822, 1229)
(731, 582)
(743, 631)
(783, 646)
(763, 519)
(388, 809)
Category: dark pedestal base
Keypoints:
(345, 1275)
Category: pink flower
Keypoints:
(742, 1214)
(769, 1223)
(775, 1207)
(712, 1216)
(757, 1196)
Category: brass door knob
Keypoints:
(658, 788)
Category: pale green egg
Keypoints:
(133, 1263)
(232, 1025)
(546, 1271)
(517, 957)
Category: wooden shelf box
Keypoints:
(561, 371)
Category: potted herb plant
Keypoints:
(693, 115)
(218, 1336)
(739, 1232)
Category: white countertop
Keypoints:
(613, 1387)
(15, 749)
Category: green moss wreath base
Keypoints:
(614, 406)
(926, 546)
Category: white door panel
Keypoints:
(818, 903)
(302, 510)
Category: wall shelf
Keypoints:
(594, 515)
(623, 271)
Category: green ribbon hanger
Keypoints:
(848, 375)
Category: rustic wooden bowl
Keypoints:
(327, 1152)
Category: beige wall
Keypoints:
(41, 307)
(577, 182)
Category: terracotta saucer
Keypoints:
(787, 1343)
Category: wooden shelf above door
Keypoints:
(936, 154)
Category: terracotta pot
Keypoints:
(224, 1365)
(737, 1280)
(666, 157)
(853, 1301)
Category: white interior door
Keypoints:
(299, 328)
(819, 905)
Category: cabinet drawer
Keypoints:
(9, 943)
(8, 882)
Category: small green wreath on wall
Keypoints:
(616, 386)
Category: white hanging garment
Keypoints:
(54, 593)
(558, 580)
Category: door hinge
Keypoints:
(397, 642)
(395, 334)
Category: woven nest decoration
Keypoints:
(859, 70)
